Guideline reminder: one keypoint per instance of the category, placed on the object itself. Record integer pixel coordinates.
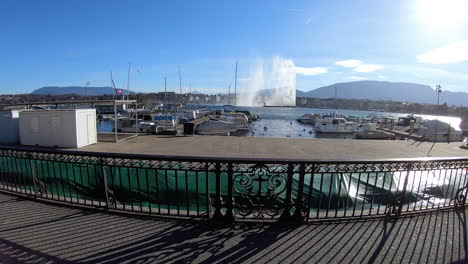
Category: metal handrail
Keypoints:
(231, 189)
(221, 159)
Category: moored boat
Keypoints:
(331, 124)
(409, 123)
(309, 119)
(370, 131)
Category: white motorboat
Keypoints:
(330, 124)
(130, 126)
(370, 131)
(219, 127)
(229, 124)
(386, 123)
(309, 119)
(409, 123)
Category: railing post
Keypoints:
(403, 193)
(299, 205)
(104, 176)
(286, 215)
(229, 217)
(218, 215)
(33, 174)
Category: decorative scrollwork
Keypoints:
(460, 196)
(259, 189)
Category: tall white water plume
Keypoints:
(270, 84)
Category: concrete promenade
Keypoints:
(35, 232)
(282, 148)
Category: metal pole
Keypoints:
(136, 118)
(438, 90)
(235, 87)
(115, 122)
(128, 81)
(180, 85)
(113, 87)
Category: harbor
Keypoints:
(234, 132)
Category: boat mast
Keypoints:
(235, 87)
(128, 82)
(113, 86)
(229, 95)
(180, 84)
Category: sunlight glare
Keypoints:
(445, 14)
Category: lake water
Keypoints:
(281, 122)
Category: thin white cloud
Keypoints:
(244, 79)
(356, 78)
(349, 63)
(424, 72)
(311, 71)
(209, 90)
(453, 53)
(309, 20)
(368, 68)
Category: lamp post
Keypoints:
(438, 91)
(86, 88)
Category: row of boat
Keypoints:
(215, 122)
(375, 127)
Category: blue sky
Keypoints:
(65, 43)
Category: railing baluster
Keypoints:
(229, 203)
(402, 197)
(138, 186)
(286, 215)
(197, 193)
(299, 205)
(148, 191)
(218, 215)
(158, 193)
(365, 194)
(104, 177)
(176, 176)
(311, 189)
(187, 199)
(207, 183)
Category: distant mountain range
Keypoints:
(370, 90)
(379, 90)
(79, 90)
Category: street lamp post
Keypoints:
(438, 91)
(86, 88)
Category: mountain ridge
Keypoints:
(384, 90)
(79, 90)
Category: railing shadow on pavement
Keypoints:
(69, 235)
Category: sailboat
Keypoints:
(231, 108)
(169, 125)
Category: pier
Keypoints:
(280, 148)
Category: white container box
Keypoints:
(71, 128)
(9, 127)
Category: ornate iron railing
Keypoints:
(227, 190)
